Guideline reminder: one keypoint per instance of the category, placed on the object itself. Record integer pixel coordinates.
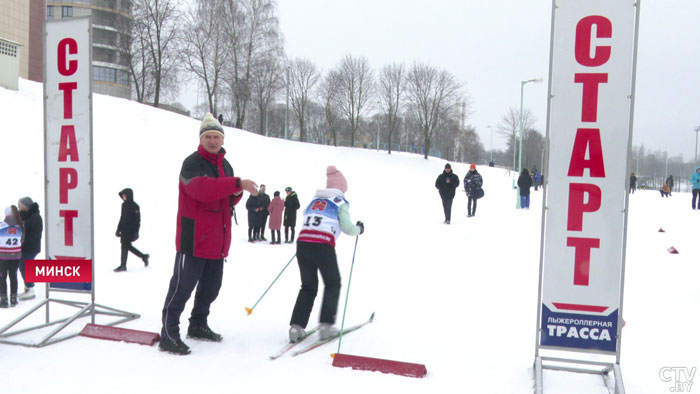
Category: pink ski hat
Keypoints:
(336, 180)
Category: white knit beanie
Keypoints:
(210, 125)
(335, 179)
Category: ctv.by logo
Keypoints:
(681, 378)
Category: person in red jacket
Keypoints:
(208, 192)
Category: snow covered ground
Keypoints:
(461, 299)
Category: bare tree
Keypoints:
(135, 46)
(390, 89)
(160, 20)
(328, 93)
(356, 84)
(203, 50)
(510, 125)
(267, 80)
(252, 31)
(303, 76)
(431, 93)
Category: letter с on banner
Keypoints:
(58, 271)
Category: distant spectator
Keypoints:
(221, 119)
(665, 190)
(276, 210)
(11, 236)
(255, 216)
(472, 186)
(524, 184)
(695, 181)
(633, 183)
(128, 228)
(446, 183)
(291, 205)
(265, 200)
(669, 182)
(31, 246)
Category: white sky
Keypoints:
(492, 45)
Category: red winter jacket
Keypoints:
(205, 205)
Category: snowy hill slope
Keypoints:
(459, 298)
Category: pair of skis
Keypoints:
(318, 342)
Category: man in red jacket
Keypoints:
(208, 192)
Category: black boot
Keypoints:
(121, 268)
(203, 333)
(173, 346)
(145, 259)
(13, 300)
(3, 302)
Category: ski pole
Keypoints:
(250, 310)
(347, 294)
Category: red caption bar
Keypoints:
(58, 271)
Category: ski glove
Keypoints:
(361, 226)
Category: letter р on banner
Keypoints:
(68, 144)
(589, 136)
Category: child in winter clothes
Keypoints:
(128, 228)
(11, 237)
(276, 209)
(324, 218)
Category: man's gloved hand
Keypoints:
(361, 226)
(119, 233)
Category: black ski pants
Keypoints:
(696, 193)
(190, 271)
(8, 268)
(312, 258)
(447, 207)
(126, 248)
(471, 205)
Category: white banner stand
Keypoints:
(592, 68)
(68, 158)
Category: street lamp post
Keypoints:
(520, 137)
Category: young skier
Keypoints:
(324, 218)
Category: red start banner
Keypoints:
(58, 271)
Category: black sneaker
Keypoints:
(120, 268)
(145, 259)
(203, 333)
(173, 346)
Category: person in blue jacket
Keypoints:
(695, 181)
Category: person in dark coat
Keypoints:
(291, 205)
(256, 216)
(128, 228)
(33, 229)
(524, 184)
(669, 182)
(208, 192)
(265, 200)
(633, 183)
(472, 185)
(446, 183)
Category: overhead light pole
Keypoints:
(520, 137)
(491, 128)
